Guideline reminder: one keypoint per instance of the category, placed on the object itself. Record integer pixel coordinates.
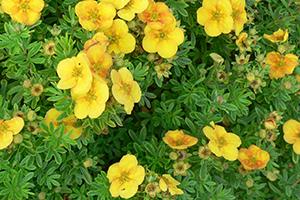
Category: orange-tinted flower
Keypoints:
(157, 15)
(100, 60)
(177, 139)
(281, 65)
(253, 158)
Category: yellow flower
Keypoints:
(278, 36)
(128, 8)
(101, 64)
(117, 4)
(69, 122)
(95, 16)
(75, 74)
(281, 65)
(98, 41)
(239, 15)
(216, 17)
(168, 183)
(9, 128)
(253, 158)
(26, 12)
(125, 90)
(291, 130)
(242, 42)
(157, 15)
(164, 41)
(131, 8)
(125, 177)
(92, 104)
(120, 41)
(179, 140)
(222, 143)
(100, 60)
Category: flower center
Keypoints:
(77, 72)
(24, 5)
(124, 177)
(127, 88)
(113, 38)
(91, 96)
(281, 62)
(162, 35)
(222, 142)
(94, 16)
(3, 127)
(235, 14)
(179, 142)
(217, 15)
(253, 159)
(154, 16)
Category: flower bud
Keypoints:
(18, 139)
(270, 124)
(88, 163)
(249, 183)
(37, 90)
(31, 115)
(173, 155)
(152, 189)
(42, 196)
(27, 83)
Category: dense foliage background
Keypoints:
(47, 164)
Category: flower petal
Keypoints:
(15, 125)
(167, 48)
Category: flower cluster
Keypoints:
(86, 74)
(221, 143)
(222, 16)
(126, 176)
(280, 64)
(27, 12)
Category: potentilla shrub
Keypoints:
(144, 99)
